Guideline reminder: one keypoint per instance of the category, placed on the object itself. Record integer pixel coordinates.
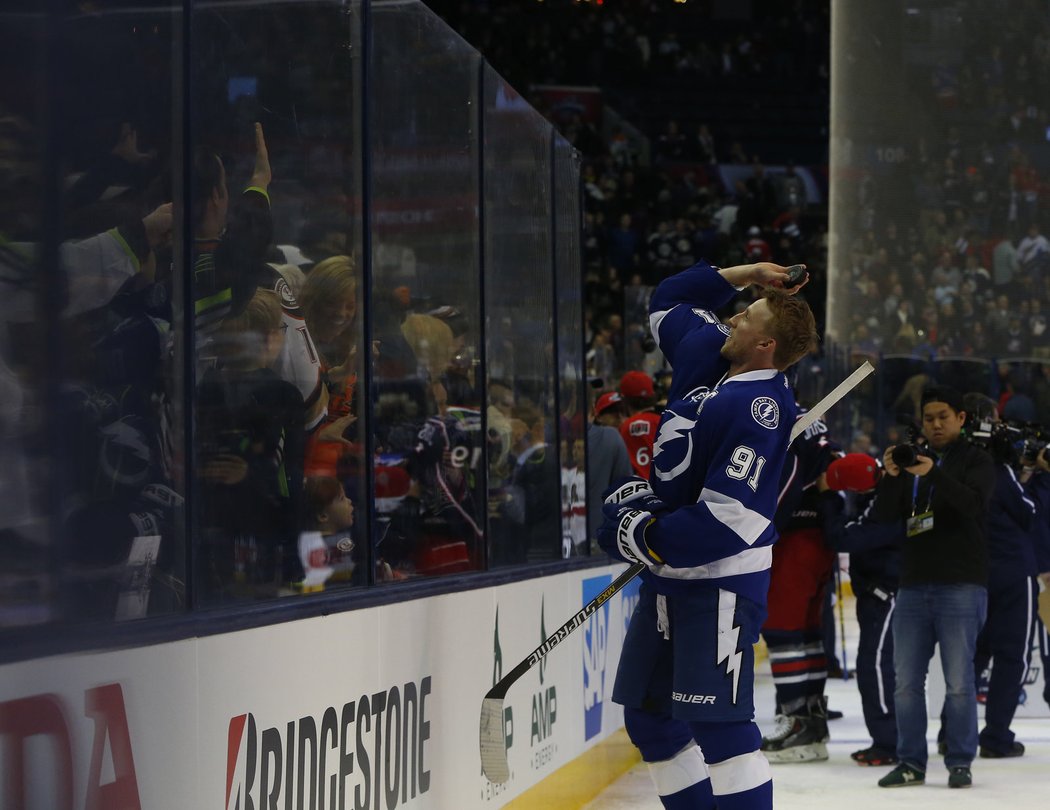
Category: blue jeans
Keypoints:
(951, 616)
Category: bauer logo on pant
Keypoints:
(683, 697)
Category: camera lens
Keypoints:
(904, 455)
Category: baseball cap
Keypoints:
(854, 471)
(606, 401)
(637, 384)
(293, 255)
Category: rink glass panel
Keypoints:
(150, 467)
(281, 506)
(425, 309)
(572, 395)
(91, 480)
(524, 469)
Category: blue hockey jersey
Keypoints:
(719, 451)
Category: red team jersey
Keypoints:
(639, 432)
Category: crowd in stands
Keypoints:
(650, 212)
(637, 44)
(957, 266)
(949, 255)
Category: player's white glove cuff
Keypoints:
(630, 537)
(628, 491)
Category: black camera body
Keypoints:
(907, 454)
(998, 439)
(1016, 444)
(1035, 439)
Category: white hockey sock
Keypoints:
(684, 769)
(740, 773)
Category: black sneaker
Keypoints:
(959, 777)
(903, 776)
(874, 757)
(1016, 749)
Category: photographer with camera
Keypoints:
(1006, 639)
(941, 490)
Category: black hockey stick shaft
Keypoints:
(559, 635)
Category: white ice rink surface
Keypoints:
(840, 784)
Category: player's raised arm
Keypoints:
(685, 302)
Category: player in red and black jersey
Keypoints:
(639, 428)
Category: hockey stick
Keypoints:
(493, 731)
(836, 393)
(842, 619)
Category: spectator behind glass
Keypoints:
(230, 248)
(325, 544)
(329, 306)
(329, 309)
(227, 249)
(442, 460)
(459, 379)
(251, 456)
(573, 497)
(533, 480)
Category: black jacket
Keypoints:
(874, 548)
(958, 490)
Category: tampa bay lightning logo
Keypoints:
(673, 448)
(766, 412)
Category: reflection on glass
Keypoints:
(91, 498)
(143, 368)
(425, 308)
(524, 499)
(572, 398)
(275, 280)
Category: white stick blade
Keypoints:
(494, 741)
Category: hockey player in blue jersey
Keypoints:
(703, 527)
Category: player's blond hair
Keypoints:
(793, 327)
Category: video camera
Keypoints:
(1013, 443)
